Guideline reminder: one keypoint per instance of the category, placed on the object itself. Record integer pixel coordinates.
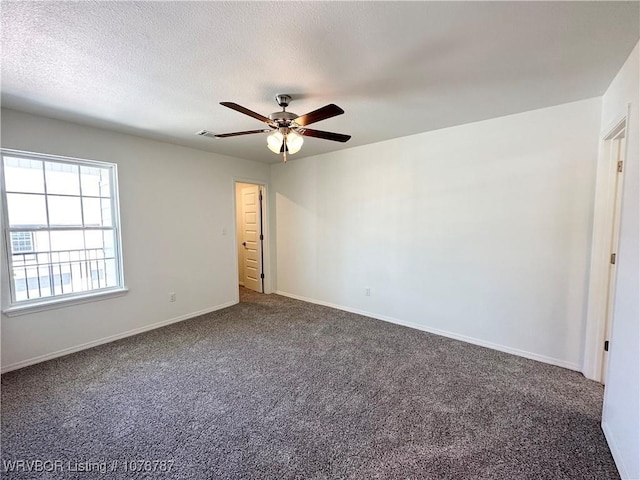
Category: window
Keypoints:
(61, 222)
(21, 242)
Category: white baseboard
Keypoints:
(615, 452)
(111, 338)
(444, 333)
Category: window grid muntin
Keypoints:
(115, 242)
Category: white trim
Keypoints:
(54, 158)
(475, 341)
(604, 204)
(615, 126)
(615, 451)
(112, 338)
(51, 303)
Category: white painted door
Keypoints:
(251, 231)
(617, 147)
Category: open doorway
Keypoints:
(606, 229)
(250, 235)
(615, 143)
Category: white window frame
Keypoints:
(12, 306)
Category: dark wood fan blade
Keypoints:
(246, 111)
(323, 113)
(336, 137)
(236, 134)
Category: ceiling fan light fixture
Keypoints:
(294, 142)
(287, 128)
(290, 142)
(274, 142)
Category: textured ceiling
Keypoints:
(159, 69)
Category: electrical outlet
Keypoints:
(172, 297)
(367, 292)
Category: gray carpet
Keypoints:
(280, 389)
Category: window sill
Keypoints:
(51, 304)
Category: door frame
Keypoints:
(266, 244)
(607, 200)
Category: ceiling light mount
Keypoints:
(283, 100)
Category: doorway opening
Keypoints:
(606, 230)
(616, 146)
(250, 235)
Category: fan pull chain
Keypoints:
(284, 150)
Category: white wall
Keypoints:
(621, 413)
(480, 231)
(175, 202)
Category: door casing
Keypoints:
(606, 227)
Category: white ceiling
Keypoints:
(160, 69)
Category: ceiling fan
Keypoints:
(287, 128)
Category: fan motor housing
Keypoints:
(283, 119)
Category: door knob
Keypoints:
(244, 244)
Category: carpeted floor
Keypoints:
(274, 388)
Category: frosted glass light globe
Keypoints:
(274, 142)
(294, 142)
